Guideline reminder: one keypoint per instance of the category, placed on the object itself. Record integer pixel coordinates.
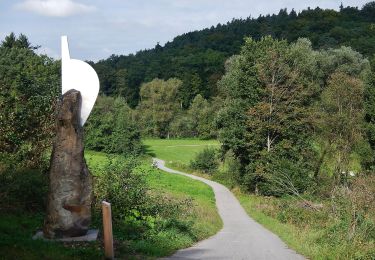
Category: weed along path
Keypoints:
(241, 237)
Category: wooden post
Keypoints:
(107, 230)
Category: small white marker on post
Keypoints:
(107, 230)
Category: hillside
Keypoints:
(197, 58)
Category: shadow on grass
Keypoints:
(147, 149)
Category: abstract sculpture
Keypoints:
(78, 75)
(70, 184)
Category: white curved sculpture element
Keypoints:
(78, 75)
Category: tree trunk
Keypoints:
(70, 184)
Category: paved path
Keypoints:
(241, 237)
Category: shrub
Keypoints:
(137, 212)
(205, 161)
(120, 184)
(111, 129)
(230, 173)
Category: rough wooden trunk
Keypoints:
(70, 182)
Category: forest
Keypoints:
(289, 97)
(197, 58)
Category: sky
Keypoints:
(98, 28)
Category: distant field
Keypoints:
(177, 151)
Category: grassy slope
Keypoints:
(292, 236)
(17, 229)
(205, 219)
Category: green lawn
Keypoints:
(207, 221)
(204, 219)
(177, 152)
(17, 228)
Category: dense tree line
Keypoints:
(294, 117)
(197, 58)
(160, 113)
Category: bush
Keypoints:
(138, 214)
(230, 174)
(120, 184)
(205, 161)
(111, 129)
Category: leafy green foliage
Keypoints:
(158, 106)
(230, 171)
(267, 124)
(197, 57)
(280, 100)
(119, 183)
(205, 161)
(11, 41)
(111, 128)
(28, 95)
(342, 119)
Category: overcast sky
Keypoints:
(99, 28)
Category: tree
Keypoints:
(189, 89)
(198, 57)
(111, 127)
(342, 119)
(158, 106)
(269, 88)
(342, 61)
(29, 87)
(11, 41)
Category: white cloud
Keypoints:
(57, 8)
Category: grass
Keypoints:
(314, 234)
(204, 219)
(17, 228)
(177, 153)
(294, 238)
(207, 221)
(16, 231)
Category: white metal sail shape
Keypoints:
(78, 75)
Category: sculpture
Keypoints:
(77, 74)
(69, 199)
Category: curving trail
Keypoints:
(241, 237)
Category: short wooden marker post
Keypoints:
(107, 230)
